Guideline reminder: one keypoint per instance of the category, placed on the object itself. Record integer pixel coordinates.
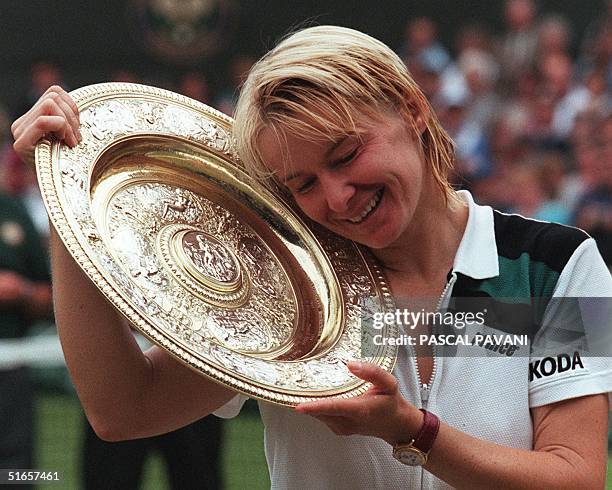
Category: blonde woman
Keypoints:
(332, 117)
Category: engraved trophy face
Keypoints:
(209, 264)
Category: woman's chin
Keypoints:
(376, 241)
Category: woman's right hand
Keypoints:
(55, 113)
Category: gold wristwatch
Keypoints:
(415, 452)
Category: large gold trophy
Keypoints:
(211, 265)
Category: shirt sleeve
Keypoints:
(571, 355)
(231, 408)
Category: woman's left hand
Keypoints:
(381, 411)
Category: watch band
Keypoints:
(425, 438)
(416, 452)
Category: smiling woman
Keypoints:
(365, 187)
(332, 116)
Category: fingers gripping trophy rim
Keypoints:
(55, 114)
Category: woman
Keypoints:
(332, 116)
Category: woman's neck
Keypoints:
(427, 248)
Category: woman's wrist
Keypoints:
(410, 421)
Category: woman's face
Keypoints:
(365, 188)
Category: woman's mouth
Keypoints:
(369, 209)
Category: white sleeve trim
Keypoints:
(571, 387)
(231, 408)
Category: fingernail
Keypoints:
(79, 135)
(356, 365)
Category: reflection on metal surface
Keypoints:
(212, 266)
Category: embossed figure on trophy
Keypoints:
(223, 223)
(215, 136)
(151, 270)
(105, 120)
(258, 263)
(150, 113)
(88, 123)
(207, 255)
(215, 259)
(266, 271)
(179, 205)
(130, 214)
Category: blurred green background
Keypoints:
(60, 429)
(59, 440)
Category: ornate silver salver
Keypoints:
(212, 266)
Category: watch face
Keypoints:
(410, 457)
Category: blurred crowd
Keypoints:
(529, 108)
(530, 112)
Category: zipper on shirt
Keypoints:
(425, 388)
(425, 393)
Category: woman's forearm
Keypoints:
(569, 438)
(125, 393)
(464, 461)
(105, 362)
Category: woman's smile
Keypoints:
(369, 210)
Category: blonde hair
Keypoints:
(316, 82)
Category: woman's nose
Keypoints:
(337, 192)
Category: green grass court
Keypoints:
(60, 430)
(59, 421)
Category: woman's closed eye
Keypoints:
(346, 159)
(305, 186)
(309, 183)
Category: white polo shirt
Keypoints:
(487, 395)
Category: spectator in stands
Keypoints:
(587, 160)
(124, 75)
(194, 85)
(570, 98)
(472, 145)
(519, 43)
(43, 74)
(25, 295)
(19, 182)
(453, 84)
(554, 172)
(481, 71)
(529, 197)
(554, 36)
(507, 145)
(596, 47)
(421, 45)
(192, 455)
(594, 210)
(4, 126)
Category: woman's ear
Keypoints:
(420, 123)
(417, 120)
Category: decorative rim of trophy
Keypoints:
(209, 264)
